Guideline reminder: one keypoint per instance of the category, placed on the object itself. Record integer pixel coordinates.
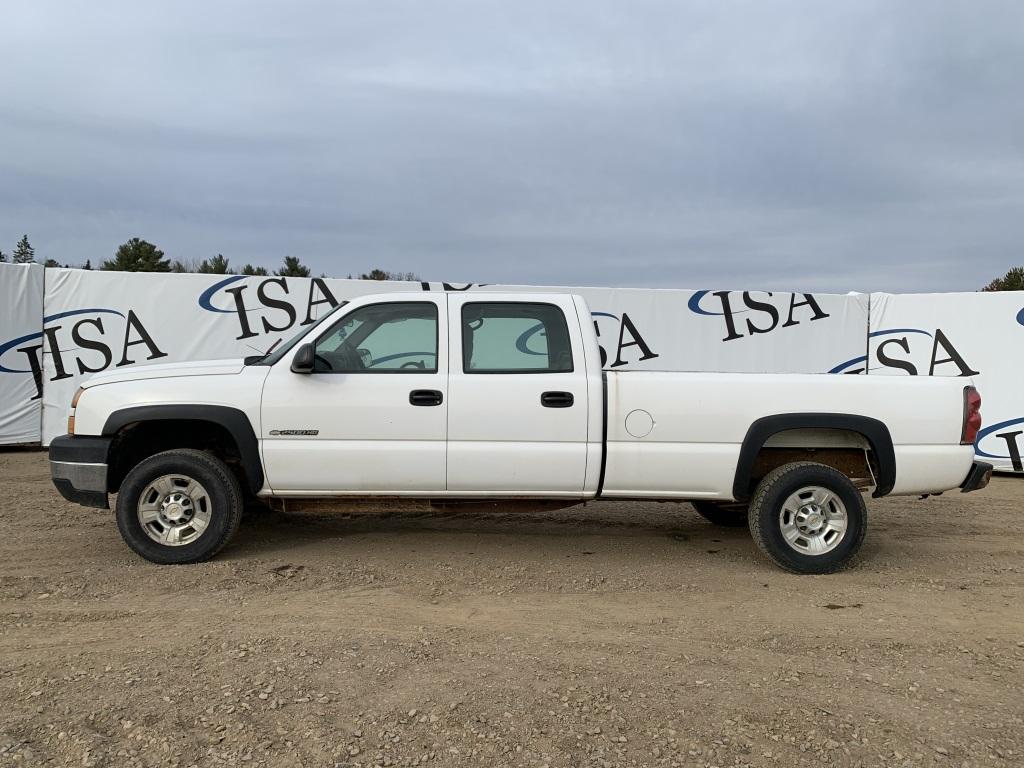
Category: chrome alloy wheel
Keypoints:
(813, 520)
(174, 510)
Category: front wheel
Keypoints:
(179, 506)
(808, 518)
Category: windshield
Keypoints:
(282, 349)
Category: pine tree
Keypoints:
(88, 264)
(218, 265)
(23, 252)
(52, 263)
(292, 268)
(249, 269)
(137, 256)
(3, 257)
(1013, 280)
(185, 265)
(383, 274)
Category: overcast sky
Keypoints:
(808, 145)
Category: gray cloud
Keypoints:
(838, 146)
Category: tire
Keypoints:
(183, 495)
(725, 515)
(797, 526)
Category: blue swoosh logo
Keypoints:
(38, 334)
(849, 364)
(1020, 316)
(14, 343)
(522, 343)
(397, 355)
(988, 431)
(898, 330)
(524, 340)
(694, 304)
(206, 297)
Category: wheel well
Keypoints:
(858, 446)
(844, 450)
(138, 441)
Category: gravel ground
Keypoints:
(611, 634)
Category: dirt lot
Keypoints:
(608, 635)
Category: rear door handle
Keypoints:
(556, 399)
(425, 397)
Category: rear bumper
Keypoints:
(977, 478)
(78, 468)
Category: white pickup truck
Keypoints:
(454, 398)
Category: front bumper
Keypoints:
(78, 467)
(977, 478)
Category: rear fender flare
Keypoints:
(873, 430)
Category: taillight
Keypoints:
(972, 416)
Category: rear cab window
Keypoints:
(515, 337)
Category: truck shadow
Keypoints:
(263, 531)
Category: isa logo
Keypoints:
(747, 315)
(277, 305)
(916, 351)
(267, 305)
(80, 341)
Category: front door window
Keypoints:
(390, 338)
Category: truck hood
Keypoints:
(167, 370)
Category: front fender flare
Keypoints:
(232, 419)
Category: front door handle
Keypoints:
(425, 397)
(556, 399)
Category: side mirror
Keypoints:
(303, 360)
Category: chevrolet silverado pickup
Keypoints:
(440, 399)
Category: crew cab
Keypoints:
(454, 398)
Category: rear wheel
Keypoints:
(726, 515)
(808, 518)
(179, 506)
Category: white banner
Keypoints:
(959, 334)
(104, 320)
(91, 321)
(21, 323)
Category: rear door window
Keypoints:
(515, 337)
